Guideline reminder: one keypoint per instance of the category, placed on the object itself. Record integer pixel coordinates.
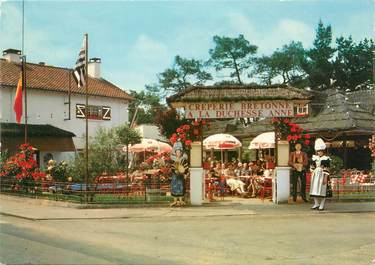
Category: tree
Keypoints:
(127, 136)
(104, 152)
(353, 65)
(234, 54)
(102, 156)
(168, 121)
(266, 69)
(319, 66)
(184, 73)
(148, 104)
(285, 63)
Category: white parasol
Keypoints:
(221, 141)
(150, 145)
(263, 141)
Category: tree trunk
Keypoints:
(284, 78)
(127, 162)
(237, 71)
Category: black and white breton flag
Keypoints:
(80, 68)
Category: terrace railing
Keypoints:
(141, 192)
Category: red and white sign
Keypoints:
(243, 109)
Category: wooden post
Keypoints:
(86, 119)
(276, 144)
(345, 151)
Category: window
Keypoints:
(93, 112)
(301, 110)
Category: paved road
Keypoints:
(313, 238)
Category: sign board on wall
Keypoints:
(94, 112)
(243, 109)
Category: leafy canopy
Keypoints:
(319, 65)
(353, 65)
(234, 54)
(148, 104)
(184, 73)
(285, 63)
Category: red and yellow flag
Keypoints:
(17, 105)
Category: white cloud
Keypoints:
(240, 24)
(39, 44)
(148, 50)
(145, 58)
(267, 40)
(289, 30)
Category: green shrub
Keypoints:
(336, 165)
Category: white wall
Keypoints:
(151, 132)
(47, 107)
(57, 156)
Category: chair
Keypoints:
(308, 181)
(266, 187)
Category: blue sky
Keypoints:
(138, 39)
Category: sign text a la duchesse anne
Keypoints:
(243, 109)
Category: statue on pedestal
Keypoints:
(180, 171)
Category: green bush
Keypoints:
(336, 165)
(105, 152)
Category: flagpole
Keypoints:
(23, 58)
(86, 118)
(25, 89)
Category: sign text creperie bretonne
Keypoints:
(243, 109)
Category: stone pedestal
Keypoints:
(196, 186)
(282, 153)
(281, 185)
(196, 174)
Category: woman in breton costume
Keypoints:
(180, 170)
(320, 176)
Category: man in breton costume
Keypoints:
(320, 176)
(298, 161)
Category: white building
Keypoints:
(151, 131)
(54, 99)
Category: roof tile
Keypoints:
(56, 79)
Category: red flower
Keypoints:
(293, 129)
(286, 121)
(289, 138)
(179, 130)
(173, 139)
(307, 136)
(186, 127)
(183, 136)
(196, 123)
(188, 142)
(307, 142)
(203, 122)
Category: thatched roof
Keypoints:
(364, 98)
(339, 113)
(333, 112)
(238, 92)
